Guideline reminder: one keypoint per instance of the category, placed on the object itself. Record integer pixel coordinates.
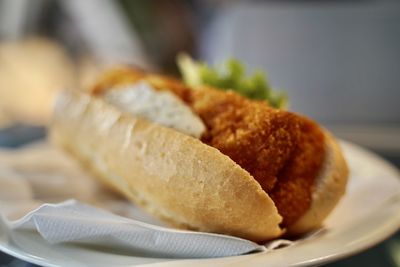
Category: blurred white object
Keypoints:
(339, 61)
(51, 175)
(16, 209)
(106, 32)
(13, 187)
(13, 17)
(97, 27)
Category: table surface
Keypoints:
(385, 254)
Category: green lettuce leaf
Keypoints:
(232, 76)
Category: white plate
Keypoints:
(368, 214)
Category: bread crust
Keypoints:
(173, 176)
(329, 187)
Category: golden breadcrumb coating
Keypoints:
(255, 136)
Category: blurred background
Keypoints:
(339, 61)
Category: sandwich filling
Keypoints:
(283, 151)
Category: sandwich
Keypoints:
(202, 158)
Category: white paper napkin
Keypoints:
(72, 221)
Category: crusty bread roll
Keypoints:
(179, 178)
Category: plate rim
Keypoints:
(374, 238)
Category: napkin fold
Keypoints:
(72, 221)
